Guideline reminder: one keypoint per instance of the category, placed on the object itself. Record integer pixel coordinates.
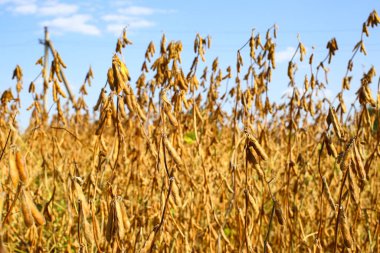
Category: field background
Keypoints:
(196, 160)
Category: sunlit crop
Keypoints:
(165, 165)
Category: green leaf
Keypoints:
(189, 137)
(227, 231)
(375, 125)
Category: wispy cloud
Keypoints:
(137, 11)
(117, 22)
(22, 7)
(285, 55)
(70, 17)
(58, 9)
(134, 17)
(17, 2)
(141, 23)
(114, 17)
(76, 23)
(116, 28)
(48, 8)
(27, 8)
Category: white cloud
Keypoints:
(44, 8)
(114, 17)
(132, 17)
(141, 23)
(117, 28)
(58, 9)
(119, 3)
(131, 22)
(125, 19)
(285, 55)
(137, 11)
(66, 16)
(17, 2)
(25, 9)
(78, 16)
(76, 23)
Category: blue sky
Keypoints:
(85, 33)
